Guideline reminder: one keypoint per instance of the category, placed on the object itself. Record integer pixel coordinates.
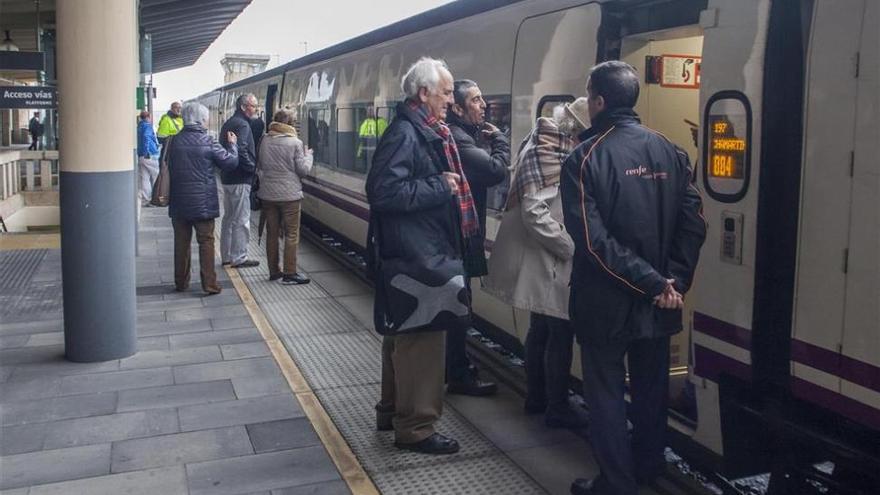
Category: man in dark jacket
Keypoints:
(235, 227)
(637, 226)
(35, 128)
(485, 156)
(419, 210)
(192, 156)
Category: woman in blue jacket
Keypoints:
(193, 204)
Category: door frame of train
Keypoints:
(271, 96)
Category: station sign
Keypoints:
(28, 97)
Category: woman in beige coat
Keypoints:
(531, 261)
(282, 162)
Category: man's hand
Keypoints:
(452, 180)
(489, 129)
(669, 298)
(231, 137)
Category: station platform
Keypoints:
(262, 389)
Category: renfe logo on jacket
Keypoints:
(643, 172)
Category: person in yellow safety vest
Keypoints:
(171, 123)
(369, 133)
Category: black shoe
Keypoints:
(436, 444)
(275, 276)
(472, 386)
(567, 417)
(384, 419)
(247, 264)
(295, 279)
(584, 486)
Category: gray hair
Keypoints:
(425, 73)
(460, 90)
(243, 99)
(565, 122)
(195, 113)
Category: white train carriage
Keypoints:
(776, 102)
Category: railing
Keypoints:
(23, 171)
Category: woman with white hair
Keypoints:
(192, 155)
(531, 261)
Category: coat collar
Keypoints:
(454, 120)
(403, 110)
(608, 119)
(280, 129)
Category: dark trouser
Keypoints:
(282, 215)
(548, 360)
(183, 230)
(458, 366)
(604, 374)
(412, 383)
(35, 141)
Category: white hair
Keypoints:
(195, 113)
(566, 122)
(425, 73)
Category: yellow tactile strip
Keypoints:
(346, 462)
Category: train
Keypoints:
(777, 104)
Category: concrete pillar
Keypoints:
(97, 77)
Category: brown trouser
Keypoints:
(183, 230)
(282, 215)
(413, 368)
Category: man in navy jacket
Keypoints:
(235, 227)
(636, 222)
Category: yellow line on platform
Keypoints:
(346, 462)
(9, 242)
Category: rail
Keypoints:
(25, 171)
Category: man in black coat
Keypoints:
(235, 227)
(416, 216)
(485, 157)
(35, 128)
(637, 226)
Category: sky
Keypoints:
(278, 28)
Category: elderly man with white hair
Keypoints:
(192, 155)
(421, 212)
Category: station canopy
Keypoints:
(181, 30)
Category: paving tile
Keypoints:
(341, 283)
(232, 322)
(262, 385)
(234, 336)
(38, 387)
(212, 312)
(31, 327)
(110, 428)
(325, 488)
(282, 435)
(49, 338)
(223, 299)
(57, 408)
(239, 412)
(225, 369)
(261, 472)
(155, 359)
(13, 341)
(5, 373)
(316, 262)
(151, 317)
(115, 380)
(173, 327)
(244, 351)
(162, 305)
(164, 481)
(61, 366)
(175, 395)
(17, 491)
(157, 343)
(31, 355)
(359, 306)
(554, 467)
(180, 448)
(21, 439)
(48, 466)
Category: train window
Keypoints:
(549, 102)
(358, 131)
(498, 114)
(319, 134)
(727, 146)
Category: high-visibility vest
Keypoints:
(369, 133)
(169, 126)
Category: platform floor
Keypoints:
(206, 406)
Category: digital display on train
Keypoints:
(727, 150)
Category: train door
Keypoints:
(834, 343)
(669, 102)
(271, 94)
(553, 53)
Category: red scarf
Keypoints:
(470, 222)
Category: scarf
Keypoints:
(539, 160)
(470, 223)
(279, 128)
